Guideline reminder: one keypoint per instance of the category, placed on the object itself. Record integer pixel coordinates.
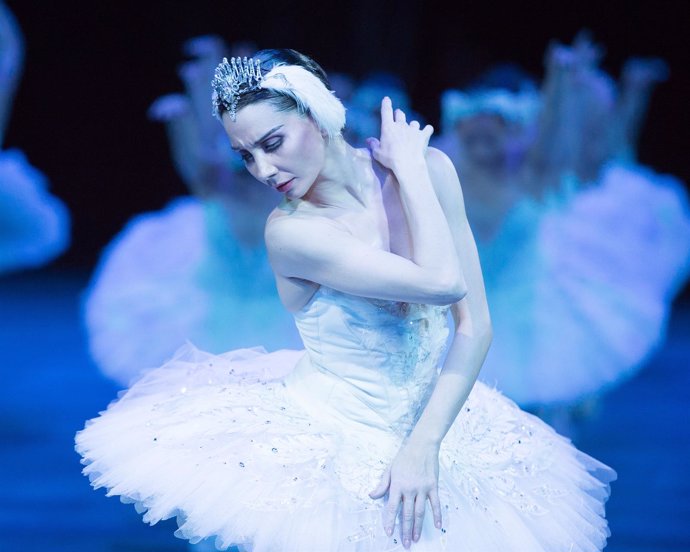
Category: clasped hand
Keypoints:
(410, 481)
(401, 142)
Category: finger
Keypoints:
(385, 482)
(373, 144)
(428, 130)
(419, 510)
(386, 111)
(407, 519)
(400, 116)
(436, 508)
(414, 124)
(390, 513)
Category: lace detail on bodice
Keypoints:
(388, 351)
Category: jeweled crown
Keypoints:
(231, 80)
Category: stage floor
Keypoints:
(50, 386)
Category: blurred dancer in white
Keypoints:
(178, 274)
(563, 227)
(34, 225)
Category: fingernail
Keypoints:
(438, 525)
(406, 543)
(415, 537)
(389, 531)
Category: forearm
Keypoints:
(559, 124)
(454, 384)
(432, 242)
(630, 114)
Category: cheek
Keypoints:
(250, 169)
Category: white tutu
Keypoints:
(580, 290)
(176, 275)
(34, 225)
(247, 448)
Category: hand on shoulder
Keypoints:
(401, 142)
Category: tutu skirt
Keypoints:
(224, 445)
(176, 275)
(580, 289)
(34, 224)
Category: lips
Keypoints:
(285, 186)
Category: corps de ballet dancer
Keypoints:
(34, 224)
(177, 274)
(576, 308)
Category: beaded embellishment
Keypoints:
(231, 80)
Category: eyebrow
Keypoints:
(262, 138)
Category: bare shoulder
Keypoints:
(291, 233)
(445, 180)
(438, 160)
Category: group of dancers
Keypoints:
(582, 250)
(565, 219)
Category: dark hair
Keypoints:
(281, 102)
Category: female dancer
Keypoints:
(175, 274)
(341, 447)
(576, 306)
(34, 225)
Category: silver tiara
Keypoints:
(233, 79)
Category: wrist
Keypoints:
(409, 166)
(424, 441)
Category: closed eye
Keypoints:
(272, 144)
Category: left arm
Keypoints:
(640, 76)
(413, 476)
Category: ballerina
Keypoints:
(621, 216)
(347, 445)
(175, 274)
(576, 306)
(34, 224)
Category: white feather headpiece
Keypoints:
(306, 89)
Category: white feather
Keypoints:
(311, 96)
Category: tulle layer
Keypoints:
(589, 300)
(34, 225)
(163, 281)
(219, 443)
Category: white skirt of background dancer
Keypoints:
(174, 275)
(34, 225)
(580, 287)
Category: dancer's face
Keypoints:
(281, 149)
(485, 139)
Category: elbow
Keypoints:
(450, 289)
(485, 333)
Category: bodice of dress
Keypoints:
(369, 361)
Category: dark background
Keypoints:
(93, 68)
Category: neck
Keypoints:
(337, 184)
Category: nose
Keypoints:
(265, 171)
